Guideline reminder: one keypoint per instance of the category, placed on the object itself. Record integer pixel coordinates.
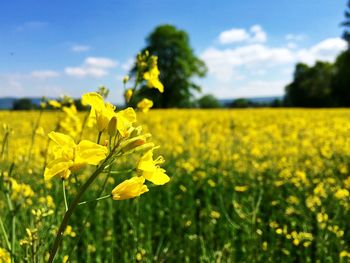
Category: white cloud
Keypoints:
(100, 62)
(80, 48)
(326, 50)
(44, 74)
(233, 35)
(224, 63)
(92, 67)
(82, 72)
(258, 34)
(255, 34)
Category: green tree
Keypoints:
(311, 86)
(346, 24)
(240, 103)
(23, 104)
(341, 79)
(208, 102)
(177, 64)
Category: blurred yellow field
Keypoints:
(245, 185)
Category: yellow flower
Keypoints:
(65, 259)
(152, 76)
(145, 104)
(128, 94)
(105, 112)
(125, 120)
(102, 111)
(341, 194)
(215, 214)
(72, 156)
(54, 104)
(149, 169)
(4, 256)
(129, 188)
(241, 188)
(69, 231)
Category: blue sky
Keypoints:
(70, 47)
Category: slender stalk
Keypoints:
(83, 125)
(72, 208)
(99, 137)
(13, 227)
(5, 235)
(36, 125)
(64, 195)
(95, 200)
(4, 142)
(134, 89)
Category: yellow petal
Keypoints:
(62, 139)
(93, 99)
(158, 177)
(56, 167)
(125, 119)
(129, 188)
(90, 153)
(158, 85)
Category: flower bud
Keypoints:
(112, 126)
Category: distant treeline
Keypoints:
(322, 85)
(32, 104)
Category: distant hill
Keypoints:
(258, 100)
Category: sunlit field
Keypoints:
(246, 185)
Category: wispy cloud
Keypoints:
(225, 64)
(253, 67)
(44, 74)
(100, 62)
(92, 67)
(236, 35)
(31, 25)
(295, 37)
(80, 48)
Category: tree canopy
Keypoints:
(324, 84)
(177, 64)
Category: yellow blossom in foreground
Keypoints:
(145, 104)
(72, 156)
(105, 112)
(129, 188)
(102, 111)
(4, 256)
(149, 169)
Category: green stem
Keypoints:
(134, 89)
(5, 235)
(13, 227)
(4, 144)
(36, 125)
(72, 208)
(99, 137)
(84, 124)
(95, 200)
(64, 195)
